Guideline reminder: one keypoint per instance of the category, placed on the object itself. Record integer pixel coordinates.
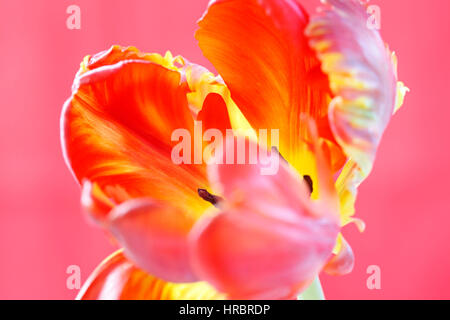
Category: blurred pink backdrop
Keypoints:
(405, 202)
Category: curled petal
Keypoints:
(343, 261)
(154, 236)
(117, 278)
(359, 223)
(117, 53)
(402, 90)
(401, 93)
(362, 77)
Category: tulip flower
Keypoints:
(213, 229)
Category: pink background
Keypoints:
(405, 202)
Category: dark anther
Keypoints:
(275, 149)
(205, 195)
(309, 182)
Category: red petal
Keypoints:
(119, 279)
(214, 114)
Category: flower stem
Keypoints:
(313, 292)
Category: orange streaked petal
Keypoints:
(272, 73)
(119, 279)
(154, 236)
(116, 132)
(200, 81)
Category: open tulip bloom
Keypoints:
(323, 85)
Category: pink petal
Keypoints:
(154, 236)
(271, 239)
(252, 256)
